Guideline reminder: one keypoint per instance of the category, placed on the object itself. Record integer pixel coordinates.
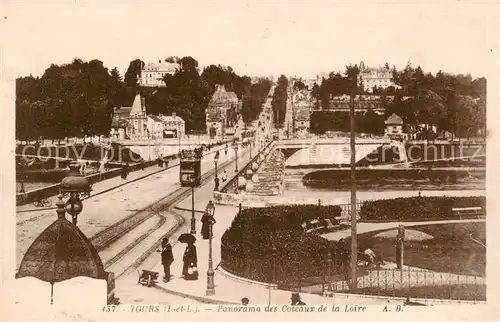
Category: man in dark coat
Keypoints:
(166, 258)
(206, 220)
(189, 259)
(296, 299)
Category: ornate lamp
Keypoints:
(210, 272)
(76, 187)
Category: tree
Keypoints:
(189, 64)
(133, 72)
(253, 101)
(172, 59)
(115, 74)
(299, 85)
(279, 100)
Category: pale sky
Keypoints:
(255, 38)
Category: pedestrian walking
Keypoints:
(206, 221)
(125, 170)
(166, 258)
(224, 176)
(296, 299)
(225, 149)
(190, 261)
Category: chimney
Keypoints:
(173, 115)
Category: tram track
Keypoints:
(163, 208)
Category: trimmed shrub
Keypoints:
(417, 208)
(247, 246)
(342, 178)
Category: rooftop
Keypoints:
(394, 119)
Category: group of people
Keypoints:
(190, 258)
(161, 161)
(295, 300)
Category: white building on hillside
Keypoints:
(152, 73)
(380, 77)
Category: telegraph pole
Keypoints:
(354, 242)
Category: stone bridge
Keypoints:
(308, 153)
(323, 152)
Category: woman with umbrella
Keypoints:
(206, 220)
(190, 260)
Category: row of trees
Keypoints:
(70, 100)
(77, 99)
(278, 102)
(369, 122)
(445, 102)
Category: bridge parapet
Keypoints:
(328, 141)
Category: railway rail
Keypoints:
(162, 208)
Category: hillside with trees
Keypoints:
(77, 99)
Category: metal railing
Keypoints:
(414, 283)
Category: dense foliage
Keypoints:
(342, 178)
(369, 122)
(77, 99)
(254, 98)
(278, 102)
(417, 208)
(259, 237)
(453, 103)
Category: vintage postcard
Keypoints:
(249, 160)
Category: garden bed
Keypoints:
(417, 208)
(451, 250)
(270, 245)
(370, 178)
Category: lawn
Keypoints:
(451, 250)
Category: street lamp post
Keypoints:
(216, 158)
(250, 148)
(235, 146)
(193, 219)
(210, 272)
(354, 242)
(75, 185)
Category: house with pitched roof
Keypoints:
(130, 122)
(222, 112)
(173, 125)
(394, 127)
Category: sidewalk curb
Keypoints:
(201, 299)
(239, 279)
(113, 188)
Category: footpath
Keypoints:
(229, 289)
(102, 210)
(113, 183)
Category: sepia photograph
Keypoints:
(182, 160)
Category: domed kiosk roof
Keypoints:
(61, 252)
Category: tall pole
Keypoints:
(193, 220)
(210, 271)
(354, 246)
(236, 151)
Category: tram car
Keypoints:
(190, 168)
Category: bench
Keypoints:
(469, 212)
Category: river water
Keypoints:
(293, 186)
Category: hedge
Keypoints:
(247, 246)
(86, 151)
(417, 208)
(336, 178)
